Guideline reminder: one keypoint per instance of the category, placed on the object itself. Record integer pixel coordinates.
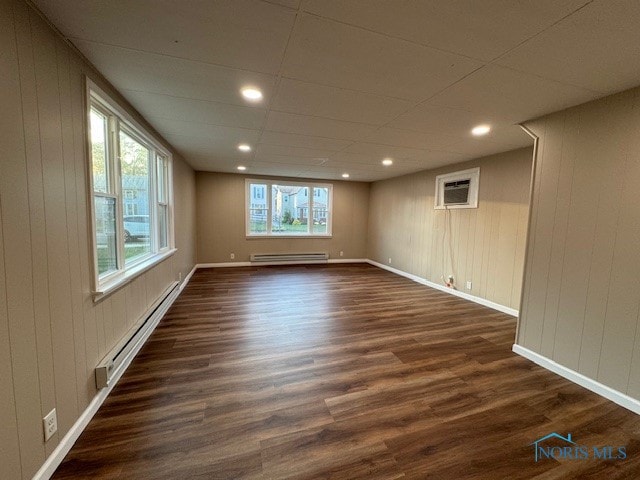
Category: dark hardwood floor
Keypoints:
(342, 372)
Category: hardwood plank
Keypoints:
(338, 371)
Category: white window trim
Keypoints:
(269, 207)
(472, 174)
(107, 284)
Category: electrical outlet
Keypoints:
(389, 260)
(468, 284)
(233, 256)
(341, 253)
(50, 424)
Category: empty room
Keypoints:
(319, 239)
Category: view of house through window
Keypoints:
(131, 207)
(134, 173)
(288, 208)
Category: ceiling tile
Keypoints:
(264, 150)
(480, 147)
(437, 119)
(206, 163)
(378, 152)
(200, 139)
(199, 111)
(237, 33)
(304, 141)
(512, 96)
(424, 159)
(335, 103)
(479, 29)
(453, 126)
(152, 73)
(213, 133)
(409, 139)
(330, 53)
(597, 48)
(324, 127)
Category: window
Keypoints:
(131, 196)
(130, 209)
(457, 189)
(288, 209)
(258, 192)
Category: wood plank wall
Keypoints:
(581, 304)
(484, 245)
(51, 333)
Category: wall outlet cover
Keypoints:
(50, 424)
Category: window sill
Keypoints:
(107, 288)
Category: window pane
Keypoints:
(320, 209)
(106, 244)
(162, 179)
(163, 222)
(290, 207)
(134, 167)
(257, 207)
(257, 221)
(99, 135)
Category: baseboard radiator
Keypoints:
(289, 257)
(116, 358)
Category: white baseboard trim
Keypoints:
(482, 301)
(54, 460)
(607, 392)
(266, 264)
(223, 265)
(188, 277)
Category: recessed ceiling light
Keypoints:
(243, 147)
(345, 175)
(251, 93)
(242, 168)
(480, 130)
(387, 162)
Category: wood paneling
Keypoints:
(581, 304)
(17, 253)
(339, 371)
(9, 443)
(51, 333)
(483, 245)
(221, 222)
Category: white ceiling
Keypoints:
(347, 83)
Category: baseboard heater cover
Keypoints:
(116, 358)
(289, 257)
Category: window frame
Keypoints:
(471, 174)
(119, 120)
(269, 207)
